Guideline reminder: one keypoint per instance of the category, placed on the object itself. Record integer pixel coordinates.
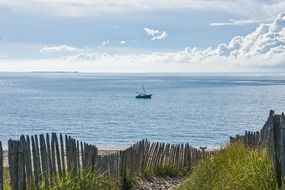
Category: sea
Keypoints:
(200, 109)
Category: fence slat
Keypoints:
(28, 163)
(282, 148)
(50, 158)
(35, 162)
(21, 169)
(53, 155)
(13, 163)
(44, 158)
(62, 155)
(58, 157)
(1, 167)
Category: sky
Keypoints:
(138, 36)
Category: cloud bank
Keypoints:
(233, 22)
(263, 47)
(155, 34)
(93, 7)
(58, 49)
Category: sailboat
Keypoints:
(143, 95)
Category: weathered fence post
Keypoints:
(67, 147)
(82, 156)
(36, 161)
(282, 144)
(28, 163)
(270, 137)
(123, 175)
(276, 148)
(44, 159)
(62, 155)
(21, 164)
(203, 148)
(58, 157)
(13, 148)
(49, 157)
(1, 167)
(53, 155)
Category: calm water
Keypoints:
(101, 109)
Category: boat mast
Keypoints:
(143, 88)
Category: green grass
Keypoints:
(161, 171)
(84, 181)
(6, 178)
(234, 168)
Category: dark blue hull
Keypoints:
(144, 96)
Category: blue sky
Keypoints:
(141, 35)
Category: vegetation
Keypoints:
(161, 171)
(234, 168)
(84, 181)
(130, 182)
(6, 178)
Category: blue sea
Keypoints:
(202, 109)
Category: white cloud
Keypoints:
(58, 49)
(123, 42)
(263, 47)
(233, 22)
(82, 56)
(155, 34)
(105, 43)
(113, 64)
(93, 7)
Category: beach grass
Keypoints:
(6, 176)
(233, 168)
(87, 180)
(162, 171)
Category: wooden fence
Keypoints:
(145, 155)
(35, 159)
(1, 167)
(257, 139)
(271, 137)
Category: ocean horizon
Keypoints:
(203, 109)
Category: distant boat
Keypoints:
(143, 94)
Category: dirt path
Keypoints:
(159, 184)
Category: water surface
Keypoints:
(202, 109)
